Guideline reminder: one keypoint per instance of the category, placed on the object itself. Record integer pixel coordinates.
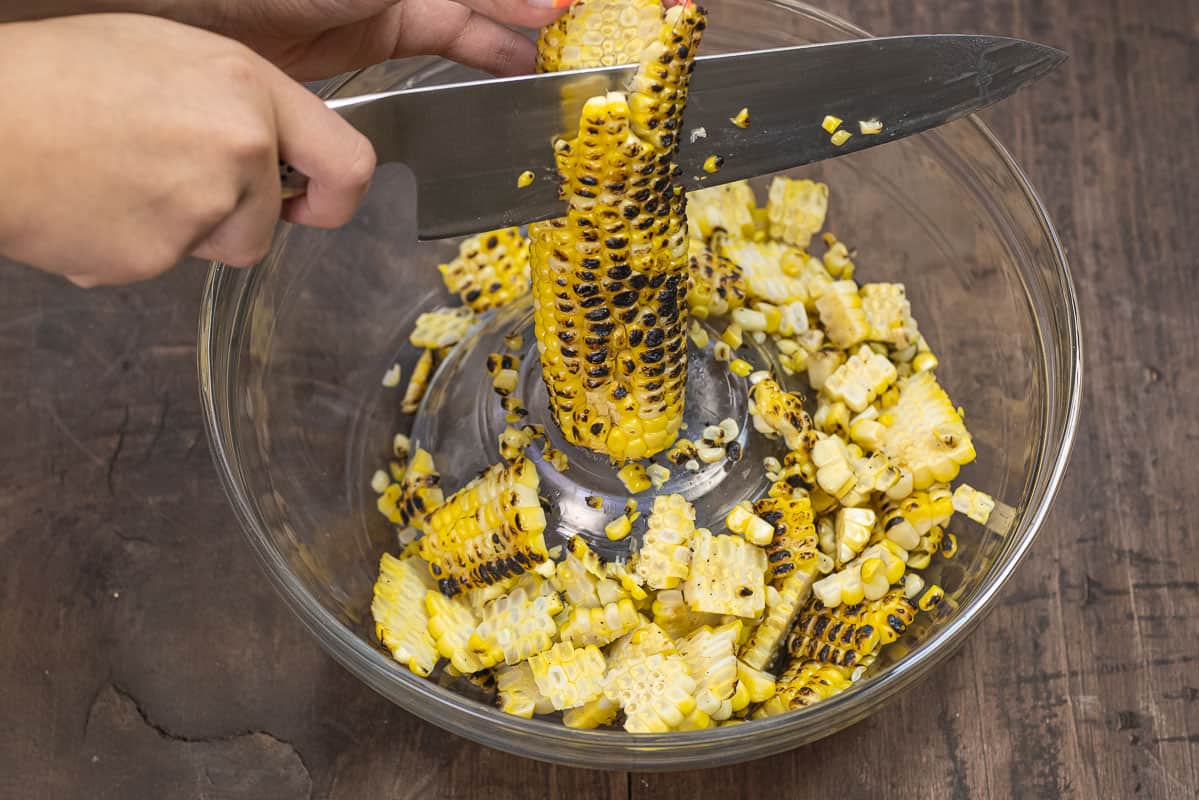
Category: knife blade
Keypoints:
(467, 143)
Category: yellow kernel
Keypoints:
(732, 336)
(740, 367)
(871, 568)
(713, 163)
(870, 127)
(841, 137)
(923, 362)
(741, 120)
(525, 179)
(699, 336)
(831, 123)
(618, 528)
(634, 478)
(391, 378)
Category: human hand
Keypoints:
(313, 39)
(130, 142)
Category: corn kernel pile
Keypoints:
(788, 600)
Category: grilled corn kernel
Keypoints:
(525, 178)
(618, 528)
(841, 137)
(741, 119)
(713, 163)
(418, 382)
(634, 478)
(518, 692)
(870, 127)
(658, 475)
(740, 367)
(796, 210)
(974, 504)
(831, 123)
(861, 379)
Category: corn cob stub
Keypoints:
(610, 278)
(491, 269)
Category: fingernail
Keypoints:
(549, 3)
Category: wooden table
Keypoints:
(144, 655)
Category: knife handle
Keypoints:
(294, 182)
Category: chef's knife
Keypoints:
(468, 143)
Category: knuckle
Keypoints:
(360, 167)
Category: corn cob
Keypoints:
(451, 623)
(727, 208)
(592, 714)
(796, 210)
(409, 502)
(599, 625)
(711, 657)
(609, 279)
(926, 434)
(861, 379)
(794, 546)
(672, 614)
(517, 625)
(841, 313)
(490, 529)
(441, 327)
(804, 683)
(398, 608)
(715, 282)
(778, 413)
(727, 575)
(664, 559)
(518, 692)
(491, 269)
(889, 314)
(418, 382)
(569, 676)
(771, 632)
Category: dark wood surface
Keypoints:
(143, 655)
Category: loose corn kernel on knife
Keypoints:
(469, 143)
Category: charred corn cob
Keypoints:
(517, 625)
(711, 657)
(804, 683)
(518, 692)
(778, 413)
(569, 676)
(672, 614)
(491, 269)
(610, 278)
(727, 575)
(715, 282)
(418, 381)
(727, 208)
(401, 622)
(796, 210)
(409, 502)
(599, 625)
(794, 546)
(889, 314)
(926, 434)
(599, 34)
(664, 559)
(451, 623)
(442, 327)
(773, 272)
(490, 529)
(861, 379)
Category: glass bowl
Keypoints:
(291, 356)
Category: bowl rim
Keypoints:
(551, 741)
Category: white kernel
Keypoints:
(391, 378)
(380, 482)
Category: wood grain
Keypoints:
(142, 653)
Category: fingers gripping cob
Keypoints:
(610, 278)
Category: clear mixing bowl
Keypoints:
(291, 355)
